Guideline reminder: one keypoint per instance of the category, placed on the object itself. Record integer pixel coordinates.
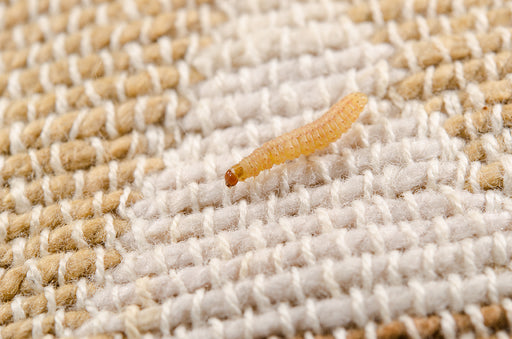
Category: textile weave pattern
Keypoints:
(118, 119)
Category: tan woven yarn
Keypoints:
(119, 118)
(86, 113)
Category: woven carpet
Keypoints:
(119, 118)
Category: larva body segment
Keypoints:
(304, 140)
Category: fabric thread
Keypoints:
(118, 120)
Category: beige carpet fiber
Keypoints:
(119, 118)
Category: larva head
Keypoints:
(232, 175)
(230, 178)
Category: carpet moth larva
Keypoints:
(304, 140)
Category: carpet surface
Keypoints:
(119, 118)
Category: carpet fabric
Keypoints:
(119, 118)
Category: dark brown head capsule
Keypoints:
(231, 178)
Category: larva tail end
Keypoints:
(363, 99)
(360, 99)
(230, 178)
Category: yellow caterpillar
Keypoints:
(304, 140)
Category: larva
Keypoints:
(304, 140)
